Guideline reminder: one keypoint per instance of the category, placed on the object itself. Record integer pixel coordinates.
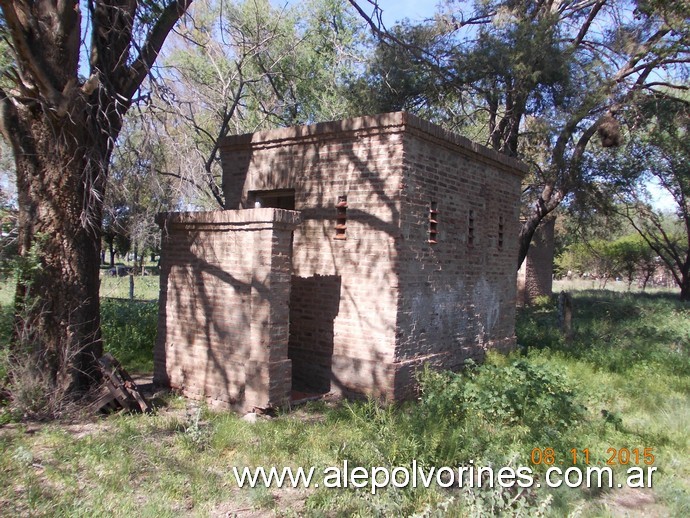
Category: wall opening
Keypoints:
(341, 217)
(314, 305)
(433, 223)
(274, 199)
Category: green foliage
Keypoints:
(629, 257)
(515, 394)
(129, 332)
(249, 65)
(656, 154)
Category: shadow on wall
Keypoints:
(314, 304)
(204, 334)
(343, 293)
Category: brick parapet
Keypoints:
(372, 125)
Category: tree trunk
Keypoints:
(548, 201)
(62, 129)
(527, 230)
(61, 172)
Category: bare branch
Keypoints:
(584, 29)
(172, 12)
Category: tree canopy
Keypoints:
(538, 79)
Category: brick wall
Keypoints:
(366, 310)
(223, 323)
(535, 277)
(457, 295)
(343, 308)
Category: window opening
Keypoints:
(275, 199)
(500, 231)
(341, 217)
(470, 227)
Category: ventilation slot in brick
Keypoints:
(470, 227)
(341, 218)
(433, 223)
(500, 231)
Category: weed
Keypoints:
(623, 382)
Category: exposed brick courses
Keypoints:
(223, 323)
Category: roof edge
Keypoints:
(386, 122)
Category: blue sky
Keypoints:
(395, 10)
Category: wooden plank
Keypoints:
(120, 386)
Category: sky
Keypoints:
(396, 10)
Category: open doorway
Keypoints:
(314, 305)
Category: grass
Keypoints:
(129, 332)
(145, 286)
(128, 326)
(623, 382)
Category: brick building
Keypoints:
(535, 277)
(403, 254)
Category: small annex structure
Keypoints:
(535, 276)
(351, 254)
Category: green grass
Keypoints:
(145, 287)
(623, 382)
(128, 326)
(129, 332)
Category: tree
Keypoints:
(137, 191)
(247, 65)
(544, 78)
(660, 153)
(62, 128)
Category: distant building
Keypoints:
(403, 254)
(535, 277)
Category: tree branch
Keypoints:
(588, 23)
(152, 46)
(8, 115)
(25, 54)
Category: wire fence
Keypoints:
(137, 287)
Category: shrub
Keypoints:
(517, 394)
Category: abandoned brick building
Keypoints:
(535, 276)
(350, 254)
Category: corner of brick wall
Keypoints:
(224, 318)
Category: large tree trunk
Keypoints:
(60, 179)
(62, 129)
(548, 201)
